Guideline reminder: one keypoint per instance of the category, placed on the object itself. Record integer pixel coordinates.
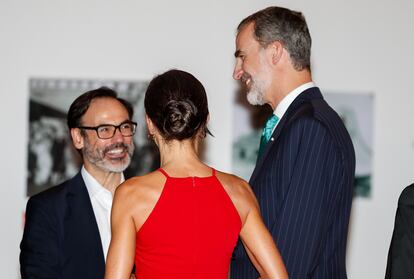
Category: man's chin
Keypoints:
(254, 98)
(117, 165)
(120, 168)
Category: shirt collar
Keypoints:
(290, 97)
(92, 185)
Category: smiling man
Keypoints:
(67, 231)
(304, 174)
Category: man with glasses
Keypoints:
(67, 231)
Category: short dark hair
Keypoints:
(286, 26)
(81, 104)
(176, 102)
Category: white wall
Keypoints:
(363, 46)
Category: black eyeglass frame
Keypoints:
(116, 127)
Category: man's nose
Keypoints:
(238, 71)
(118, 137)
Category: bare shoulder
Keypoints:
(235, 185)
(137, 196)
(140, 188)
(239, 192)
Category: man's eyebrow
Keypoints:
(237, 53)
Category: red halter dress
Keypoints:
(190, 233)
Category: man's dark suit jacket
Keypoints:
(61, 237)
(400, 264)
(304, 185)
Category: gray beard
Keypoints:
(107, 166)
(98, 160)
(255, 96)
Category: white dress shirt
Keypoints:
(288, 100)
(101, 199)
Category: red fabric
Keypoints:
(191, 232)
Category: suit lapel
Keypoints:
(305, 97)
(268, 146)
(81, 230)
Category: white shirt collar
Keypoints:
(101, 200)
(288, 100)
(290, 97)
(92, 185)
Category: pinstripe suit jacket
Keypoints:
(304, 184)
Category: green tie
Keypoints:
(267, 132)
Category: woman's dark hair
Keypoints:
(176, 102)
(81, 104)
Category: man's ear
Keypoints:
(276, 50)
(77, 138)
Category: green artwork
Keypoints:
(356, 110)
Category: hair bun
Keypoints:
(180, 119)
(176, 102)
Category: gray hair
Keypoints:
(286, 26)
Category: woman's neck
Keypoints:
(181, 155)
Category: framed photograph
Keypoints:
(52, 158)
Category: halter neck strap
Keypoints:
(213, 172)
(164, 172)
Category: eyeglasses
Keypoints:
(107, 131)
